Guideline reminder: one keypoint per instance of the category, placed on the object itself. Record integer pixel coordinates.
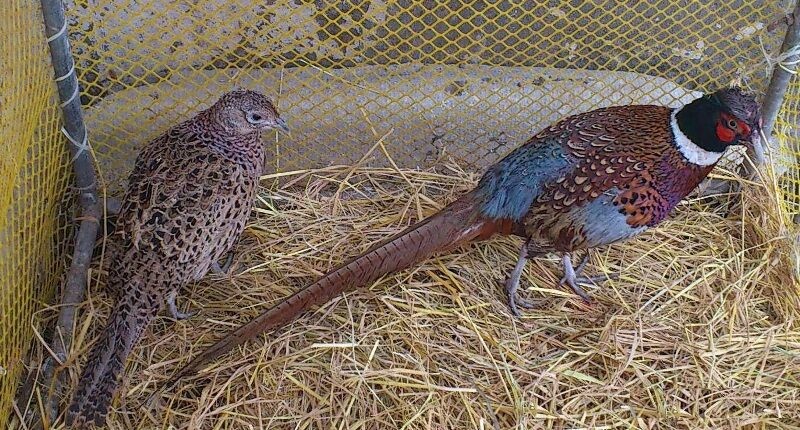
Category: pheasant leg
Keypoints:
(222, 270)
(512, 283)
(573, 279)
(173, 309)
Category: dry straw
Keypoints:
(700, 331)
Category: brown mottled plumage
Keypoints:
(188, 198)
(590, 180)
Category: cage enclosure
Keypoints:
(396, 107)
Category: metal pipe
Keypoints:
(778, 83)
(782, 74)
(75, 131)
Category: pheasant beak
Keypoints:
(756, 144)
(756, 133)
(281, 125)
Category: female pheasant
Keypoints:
(188, 198)
(590, 180)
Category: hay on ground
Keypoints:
(700, 331)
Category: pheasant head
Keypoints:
(246, 112)
(710, 124)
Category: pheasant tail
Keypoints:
(458, 223)
(100, 377)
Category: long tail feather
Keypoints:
(101, 375)
(458, 223)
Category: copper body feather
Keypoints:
(626, 154)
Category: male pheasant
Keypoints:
(589, 180)
(188, 198)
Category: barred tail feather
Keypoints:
(102, 373)
(458, 223)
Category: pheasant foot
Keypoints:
(173, 308)
(572, 278)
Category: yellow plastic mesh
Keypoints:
(787, 130)
(34, 173)
(466, 80)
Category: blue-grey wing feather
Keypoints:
(508, 188)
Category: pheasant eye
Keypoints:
(254, 118)
(732, 124)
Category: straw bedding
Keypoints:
(700, 331)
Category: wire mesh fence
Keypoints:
(470, 80)
(34, 173)
(466, 81)
(787, 158)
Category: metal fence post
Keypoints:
(75, 131)
(781, 75)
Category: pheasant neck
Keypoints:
(694, 132)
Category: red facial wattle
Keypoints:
(744, 127)
(725, 134)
